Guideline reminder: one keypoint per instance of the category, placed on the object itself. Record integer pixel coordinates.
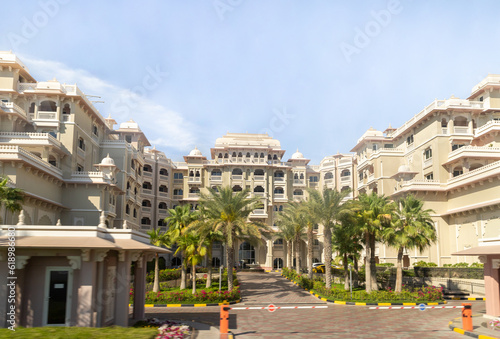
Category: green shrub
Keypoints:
(477, 265)
(461, 264)
(386, 264)
(422, 263)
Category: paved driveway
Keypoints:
(337, 321)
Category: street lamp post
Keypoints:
(220, 276)
(350, 279)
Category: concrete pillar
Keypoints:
(122, 290)
(86, 302)
(492, 286)
(269, 256)
(139, 288)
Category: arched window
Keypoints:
(32, 108)
(279, 174)
(345, 173)
(127, 209)
(301, 175)
(444, 123)
(458, 171)
(146, 203)
(248, 155)
(81, 143)
(460, 121)
(178, 191)
(298, 192)
(234, 155)
(316, 242)
(220, 156)
(191, 173)
(226, 156)
(256, 155)
(163, 188)
(48, 106)
(194, 190)
(237, 171)
(280, 209)
(275, 157)
(146, 185)
(259, 189)
(215, 188)
(247, 253)
(279, 190)
(345, 188)
(147, 168)
(163, 171)
(259, 172)
(329, 175)
(295, 176)
(162, 206)
(275, 208)
(269, 157)
(135, 213)
(52, 160)
(237, 188)
(197, 174)
(146, 221)
(278, 242)
(216, 172)
(240, 155)
(262, 155)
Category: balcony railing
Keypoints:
(280, 179)
(461, 129)
(80, 152)
(194, 180)
(492, 125)
(328, 181)
(11, 107)
(259, 194)
(346, 178)
(147, 191)
(193, 195)
(178, 181)
(217, 178)
(279, 196)
(163, 194)
(147, 174)
(162, 211)
(177, 196)
(298, 198)
(163, 177)
(298, 181)
(146, 209)
(42, 115)
(258, 177)
(237, 177)
(410, 147)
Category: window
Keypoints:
(248, 155)
(216, 172)
(298, 192)
(313, 179)
(481, 99)
(163, 188)
(79, 168)
(128, 138)
(458, 171)
(388, 146)
(162, 206)
(329, 175)
(163, 171)
(316, 242)
(161, 222)
(178, 176)
(429, 176)
(455, 147)
(95, 131)
(409, 140)
(127, 209)
(146, 203)
(279, 174)
(258, 189)
(135, 213)
(360, 176)
(81, 143)
(428, 153)
(66, 109)
(147, 168)
(374, 147)
(345, 173)
(278, 242)
(237, 188)
(145, 185)
(259, 172)
(146, 221)
(178, 191)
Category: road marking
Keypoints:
(411, 307)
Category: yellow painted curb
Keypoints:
(459, 330)
(339, 302)
(360, 304)
(432, 304)
(384, 304)
(485, 337)
(173, 305)
(311, 292)
(324, 299)
(200, 305)
(149, 305)
(409, 304)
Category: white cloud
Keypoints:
(162, 126)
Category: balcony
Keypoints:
(236, 177)
(10, 107)
(46, 115)
(461, 130)
(259, 178)
(146, 209)
(345, 179)
(147, 174)
(147, 191)
(29, 138)
(473, 152)
(313, 184)
(298, 182)
(193, 195)
(177, 196)
(216, 178)
(492, 126)
(178, 181)
(298, 198)
(280, 196)
(259, 213)
(163, 177)
(478, 174)
(162, 211)
(194, 180)
(163, 194)
(259, 194)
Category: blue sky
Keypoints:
(314, 74)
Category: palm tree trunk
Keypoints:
(328, 257)
(368, 271)
(209, 266)
(373, 264)
(346, 272)
(230, 264)
(193, 270)
(297, 255)
(183, 273)
(289, 254)
(156, 284)
(309, 252)
(356, 271)
(399, 271)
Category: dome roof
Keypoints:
(297, 155)
(108, 161)
(404, 168)
(195, 152)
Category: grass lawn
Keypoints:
(79, 332)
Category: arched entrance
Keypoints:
(215, 262)
(277, 263)
(246, 253)
(176, 261)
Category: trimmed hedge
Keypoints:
(450, 272)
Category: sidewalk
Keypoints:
(480, 326)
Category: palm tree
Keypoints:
(293, 216)
(10, 197)
(374, 214)
(178, 219)
(157, 238)
(194, 249)
(327, 207)
(229, 212)
(204, 227)
(287, 233)
(412, 228)
(310, 220)
(347, 241)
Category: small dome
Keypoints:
(108, 161)
(404, 168)
(195, 152)
(297, 155)
(129, 124)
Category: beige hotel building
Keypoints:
(78, 168)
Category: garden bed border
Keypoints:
(191, 305)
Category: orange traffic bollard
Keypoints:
(467, 317)
(224, 319)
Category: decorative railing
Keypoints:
(178, 181)
(298, 181)
(461, 130)
(147, 174)
(193, 195)
(482, 169)
(216, 177)
(279, 196)
(163, 177)
(259, 177)
(259, 211)
(16, 149)
(177, 196)
(147, 191)
(259, 194)
(279, 179)
(237, 177)
(346, 178)
(146, 209)
(194, 179)
(43, 115)
(22, 87)
(12, 107)
(492, 124)
(163, 194)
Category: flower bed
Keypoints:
(186, 297)
(417, 295)
(166, 329)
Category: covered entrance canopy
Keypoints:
(74, 275)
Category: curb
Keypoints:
(353, 303)
(464, 298)
(468, 333)
(190, 305)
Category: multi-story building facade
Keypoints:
(448, 155)
(74, 166)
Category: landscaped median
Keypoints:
(337, 294)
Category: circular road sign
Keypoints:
(271, 308)
(421, 307)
